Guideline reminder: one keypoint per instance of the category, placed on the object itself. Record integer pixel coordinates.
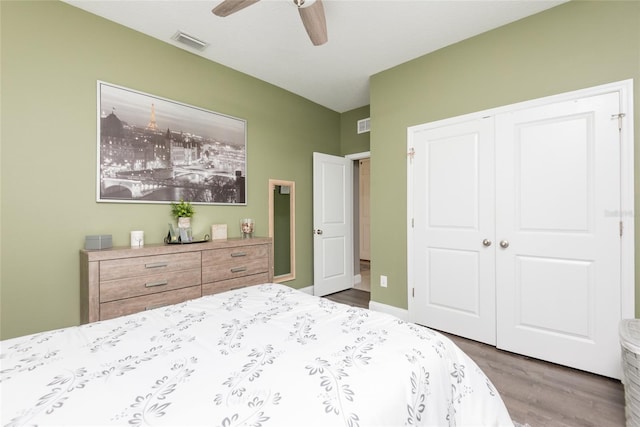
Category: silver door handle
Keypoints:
(504, 244)
(317, 231)
(486, 242)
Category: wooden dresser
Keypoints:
(120, 281)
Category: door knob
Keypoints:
(504, 244)
(317, 231)
(486, 242)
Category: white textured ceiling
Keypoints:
(267, 40)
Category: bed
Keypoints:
(265, 355)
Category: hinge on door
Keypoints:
(413, 292)
(621, 228)
(411, 222)
(619, 116)
(411, 154)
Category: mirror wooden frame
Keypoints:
(292, 227)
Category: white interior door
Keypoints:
(558, 203)
(452, 188)
(332, 224)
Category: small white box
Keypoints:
(137, 239)
(219, 232)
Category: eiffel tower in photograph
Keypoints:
(152, 122)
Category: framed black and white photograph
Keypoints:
(155, 150)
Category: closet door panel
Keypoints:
(558, 280)
(452, 216)
(566, 313)
(554, 159)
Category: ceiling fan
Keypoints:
(311, 13)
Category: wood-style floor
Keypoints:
(354, 297)
(535, 392)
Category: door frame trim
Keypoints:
(627, 178)
(358, 156)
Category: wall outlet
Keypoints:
(383, 281)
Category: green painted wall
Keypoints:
(350, 140)
(572, 46)
(52, 54)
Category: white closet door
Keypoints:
(557, 209)
(452, 274)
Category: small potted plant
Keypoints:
(183, 211)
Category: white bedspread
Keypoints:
(261, 356)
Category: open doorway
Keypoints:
(361, 221)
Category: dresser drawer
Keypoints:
(145, 265)
(238, 282)
(148, 284)
(228, 263)
(118, 308)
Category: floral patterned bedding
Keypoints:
(266, 355)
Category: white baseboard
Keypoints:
(357, 279)
(389, 309)
(307, 290)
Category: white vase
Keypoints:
(184, 222)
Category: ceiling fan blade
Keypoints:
(227, 7)
(314, 22)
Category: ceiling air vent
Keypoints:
(190, 41)
(364, 125)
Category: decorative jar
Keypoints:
(246, 227)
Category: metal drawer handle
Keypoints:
(238, 254)
(152, 284)
(238, 269)
(156, 265)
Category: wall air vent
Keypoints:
(364, 125)
(190, 41)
